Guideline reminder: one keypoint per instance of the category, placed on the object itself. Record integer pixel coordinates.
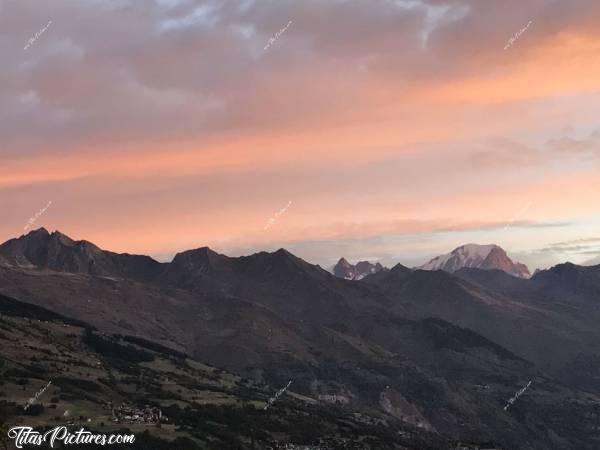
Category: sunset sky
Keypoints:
(388, 130)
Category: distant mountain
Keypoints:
(570, 281)
(477, 257)
(520, 314)
(343, 269)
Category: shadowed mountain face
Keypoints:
(493, 279)
(373, 345)
(478, 257)
(562, 284)
(572, 280)
(525, 316)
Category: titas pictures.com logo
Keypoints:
(28, 436)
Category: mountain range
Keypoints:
(473, 256)
(343, 269)
(432, 354)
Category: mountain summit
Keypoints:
(343, 269)
(55, 251)
(479, 257)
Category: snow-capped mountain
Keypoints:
(479, 257)
(344, 269)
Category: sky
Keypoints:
(386, 130)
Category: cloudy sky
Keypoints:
(389, 130)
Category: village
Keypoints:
(126, 413)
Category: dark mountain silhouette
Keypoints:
(569, 279)
(56, 251)
(519, 314)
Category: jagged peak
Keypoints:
(283, 252)
(37, 232)
(400, 268)
(358, 271)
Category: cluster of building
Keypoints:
(344, 400)
(125, 413)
